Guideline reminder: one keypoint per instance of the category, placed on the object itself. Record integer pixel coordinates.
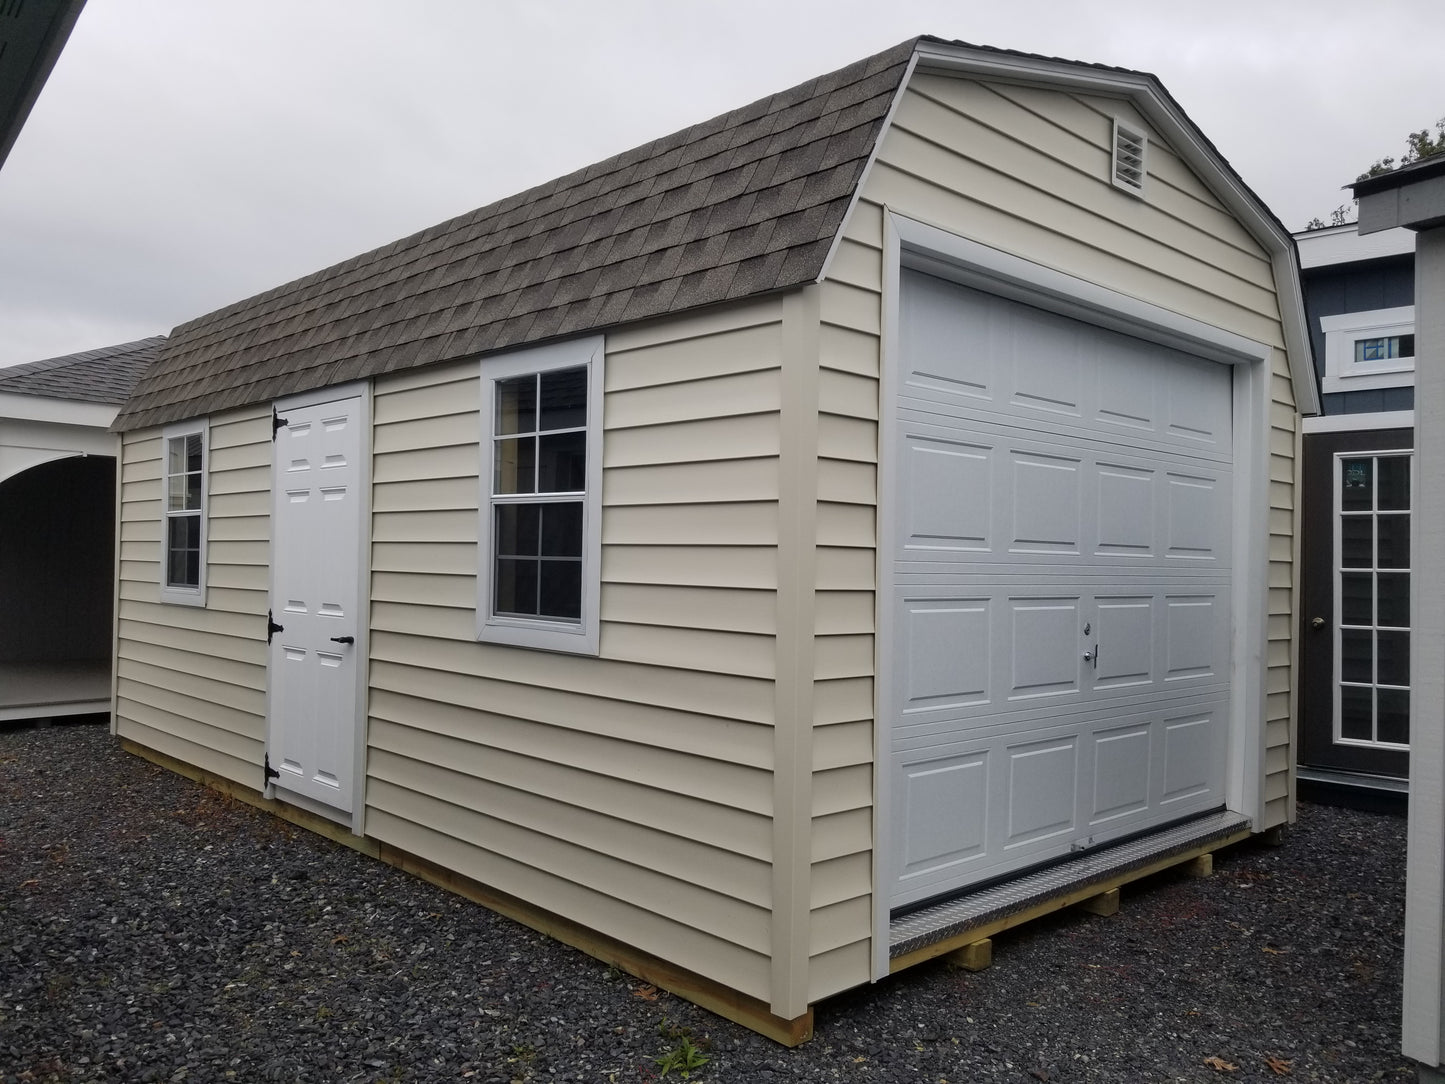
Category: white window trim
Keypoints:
(1337, 563)
(180, 595)
(1343, 372)
(583, 636)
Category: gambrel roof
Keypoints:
(105, 375)
(742, 204)
(745, 204)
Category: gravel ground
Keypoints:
(151, 930)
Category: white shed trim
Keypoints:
(914, 244)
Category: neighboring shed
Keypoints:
(57, 528)
(723, 554)
(1356, 459)
(1413, 197)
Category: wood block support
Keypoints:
(1203, 866)
(1105, 903)
(974, 956)
(1274, 837)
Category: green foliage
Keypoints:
(1418, 145)
(685, 1056)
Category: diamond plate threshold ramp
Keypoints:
(942, 927)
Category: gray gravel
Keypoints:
(151, 930)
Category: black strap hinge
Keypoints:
(271, 627)
(277, 422)
(271, 773)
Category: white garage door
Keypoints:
(1060, 587)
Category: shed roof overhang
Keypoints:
(31, 38)
(1412, 196)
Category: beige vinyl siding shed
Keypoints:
(704, 796)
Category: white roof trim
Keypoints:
(43, 408)
(1344, 244)
(1144, 91)
(868, 167)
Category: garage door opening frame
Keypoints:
(909, 243)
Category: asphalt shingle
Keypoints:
(577, 254)
(106, 375)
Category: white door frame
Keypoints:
(357, 390)
(910, 243)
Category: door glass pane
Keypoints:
(1374, 606)
(1355, 709)
(1357, 599)
(1357, 488)
(1393, 589)
(1357, 548)
(1394, 715)
(1393, 482)
(1394, 541)
(1392, 663)
(1357, 655)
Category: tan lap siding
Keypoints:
(631, 792)
(191, 681)
(1033, 181)
(1026, 171)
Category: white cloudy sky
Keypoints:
(189, 153)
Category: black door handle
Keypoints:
(343, 639)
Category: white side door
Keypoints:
(317, 516)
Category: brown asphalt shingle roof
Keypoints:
(743, 204)
(106, 375)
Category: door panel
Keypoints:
(315, 600)
(1061, 588)
(1355, 581)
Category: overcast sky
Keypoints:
(189, 153)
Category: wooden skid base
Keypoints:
(1105, 903)
(973, 957)
(713, 996)
(1057, 903)
(1203, 866)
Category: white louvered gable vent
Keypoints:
(1130, 145)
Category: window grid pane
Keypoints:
(185, 467)
(1372, 591)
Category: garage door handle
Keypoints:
(343, 639)
(1092, 656)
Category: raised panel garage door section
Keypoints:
(1060, 587)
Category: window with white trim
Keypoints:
(540, 577)
(1369, 350)
(183, 511)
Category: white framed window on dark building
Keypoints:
(541, 472)
(183, 503)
